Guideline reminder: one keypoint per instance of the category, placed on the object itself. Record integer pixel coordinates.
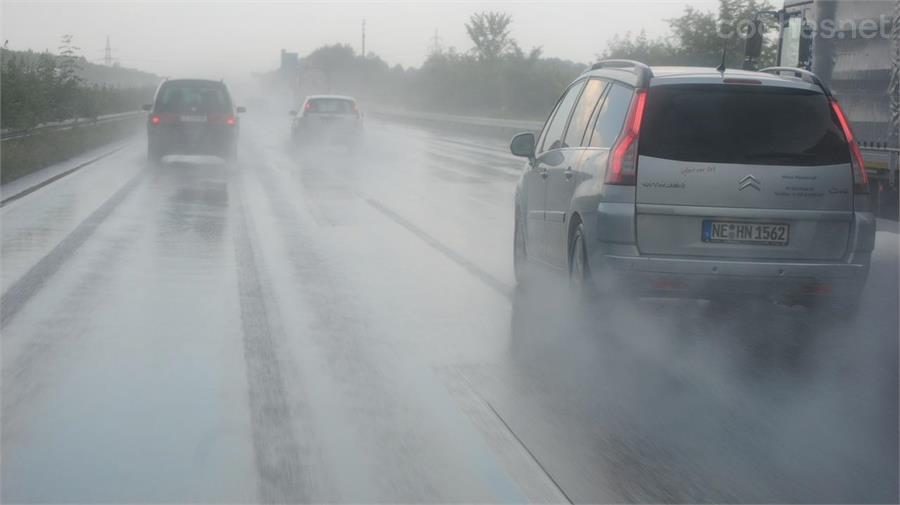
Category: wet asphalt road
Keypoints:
(332, 326)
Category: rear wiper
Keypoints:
(778, 156)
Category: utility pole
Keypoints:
(435, 46)
(107, 54)
(364, 38)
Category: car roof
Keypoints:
(664, 75)
(336, 97)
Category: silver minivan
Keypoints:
(696, 182)
(329, 119)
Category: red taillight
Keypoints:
(860, 178)
(154, 119)
(622, 168)
(230, 120)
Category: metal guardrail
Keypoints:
(69, 123)
(510, 124)
(879, 149)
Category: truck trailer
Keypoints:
(853, 46)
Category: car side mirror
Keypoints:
(523, 145)
(293, 113)
(147, 107)
(241, 110)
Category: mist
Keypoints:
(233, 39)
(243, 260)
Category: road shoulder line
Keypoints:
(21, 291)
(69, 171)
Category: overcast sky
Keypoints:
(232, 38)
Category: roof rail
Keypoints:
(642, 71)
(806, 75)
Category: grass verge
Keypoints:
(22, 156)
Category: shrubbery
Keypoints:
(42, 87)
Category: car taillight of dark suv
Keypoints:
(192, 116)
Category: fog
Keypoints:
(322, 305)
(232, 39)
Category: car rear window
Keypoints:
(194, 97)
(330, 106)
(746, 124)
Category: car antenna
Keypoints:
(721, 67)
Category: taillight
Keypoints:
(230, 120)
(622, 167)
(860, 178)
(154, 119)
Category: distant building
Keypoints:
(290, 65)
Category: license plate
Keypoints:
(193, 119)
(746, 233)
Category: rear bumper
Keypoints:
(337, 132)
(617, 263)
(708, 277)
(173, 139)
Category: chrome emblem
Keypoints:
(748, 181)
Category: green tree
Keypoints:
(69, 64)
(489, 32)
(38, 88)
(45, 101)
(699, 37)
(640, 48)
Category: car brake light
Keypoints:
(860, 178)
(737, 80)
(154, 119)
(230, 120)
(622, 168)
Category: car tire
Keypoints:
(230, 153)
(580, 280)
(520, 253)
(154, 153)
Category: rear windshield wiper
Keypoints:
(778, 155)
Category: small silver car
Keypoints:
(327, 119)
(695, 182)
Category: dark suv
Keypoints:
(192, 116)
